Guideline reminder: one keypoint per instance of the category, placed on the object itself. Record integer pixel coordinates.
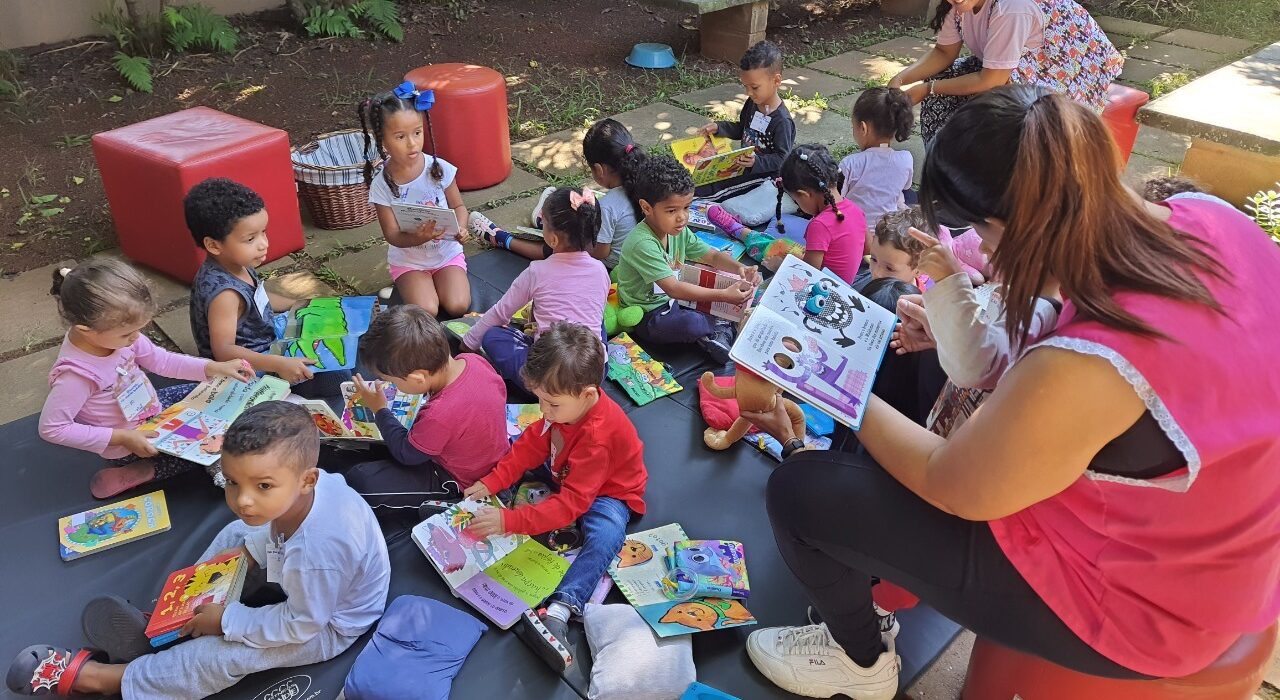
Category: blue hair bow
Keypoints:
(423, 100)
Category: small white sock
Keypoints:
(559, 611)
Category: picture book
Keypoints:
(104, 527)
(527, 233)
(500, 576)
(458, 327)
(521, 416)
(769, 445)
(643, 377)
(718, 562)
(411, 217)
(357, 423)
(192, 428)
(638, 571)
(698, 215)
(325, 329)
(214, 581)
(816, 337)
(711, 278)
(719, 241)
(709, 158)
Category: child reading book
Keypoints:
(764, 121)
(596, 467)
(646, 273)
(835, 235)
(98, 392)
(232, 313)
(876, 176)
(304, 528)
(428, 269)
(570, 285)
(462, 429)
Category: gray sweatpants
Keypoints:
(198, 668)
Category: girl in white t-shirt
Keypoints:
(876, 176)
(428, 268)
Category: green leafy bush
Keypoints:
(196, 26)
(344, 19)
(141, 37)
(1265, 208)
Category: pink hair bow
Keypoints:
(577, 199)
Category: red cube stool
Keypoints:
(148, 167)
(1121, 115)
(996, 672)
(469, 120)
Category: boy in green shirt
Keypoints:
(657, 247)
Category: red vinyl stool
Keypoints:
(469, 120)
(148, 167)
(998, 673)
(1121, 115)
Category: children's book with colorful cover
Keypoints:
(698, 219)
(357, 423)
(719, 241)
(719, 562)
(104, 527)
(325, 329)
(638, 571)
(411, 217)
(520, 416)
(816, 337)
(500, 576)
(193, 427)
(709, 158)
(711, 278)
(458, 327)
(642, 377)
(215, 581)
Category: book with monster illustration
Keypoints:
(324, 329)
(642, 377)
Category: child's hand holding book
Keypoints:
(738, 293)
(207, 621)
(371, 394)
(238, 369)
(486, 522)
(476, 492)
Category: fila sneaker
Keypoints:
(807, 661)
(889, 625)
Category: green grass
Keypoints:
(1257, 20)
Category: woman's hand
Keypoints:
(239, 370)
(912, 333)
(774, 421)
(897, 81)
(917, 92)
(937, 261)
(370, 393)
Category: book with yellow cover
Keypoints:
(108, 526)
(709, 158)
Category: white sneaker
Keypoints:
(807, 661)
(385, 293)
(889, 625)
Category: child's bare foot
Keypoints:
(113, 481)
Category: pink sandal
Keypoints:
(113, 481)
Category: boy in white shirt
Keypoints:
(313, 535)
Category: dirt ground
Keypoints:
(564, 60)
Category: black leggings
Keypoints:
(840, 519)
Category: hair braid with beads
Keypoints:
(809, 167)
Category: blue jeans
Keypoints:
(674, 324)
(604, 527)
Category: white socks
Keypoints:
(559, 611)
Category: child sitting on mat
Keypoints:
(98, 392)
(586, 448)
(876, 176)
(306, 528)
(893, 251)
(836, 234)
(570, 285)
(764, 121)
(657, 247)
(462, 428)
(232, 313)
(428, 269)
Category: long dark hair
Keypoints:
(579, 226)
(1048, 168)
(887, 110)
(939, 15)
(809, 167)
(373, 112)
(609, 143)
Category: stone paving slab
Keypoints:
(35, 313)
(1129, 27)
(164, 289)
(560, 153)
(513, 214)
(1161, 144)
(26, 383)
(1206, 42)
(907, 47)
(177, 325)
(860, 66)
(366, 270)
(517, 182)
(915, 144)
(1180, 56)
(299, 285)
(1142, 168)
(945, 678)
(831, 129)
(1140, 72)
(806, 84)
(724, 101)
(321, 242)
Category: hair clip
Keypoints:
(630, 147)
(423, 100)
(577, 199)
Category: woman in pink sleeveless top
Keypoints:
(1112, 507)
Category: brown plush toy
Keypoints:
(753, 393)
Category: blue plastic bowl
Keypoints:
(651, 56)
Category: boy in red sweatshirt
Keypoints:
(596, 465)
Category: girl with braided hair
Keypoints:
(427, 268)
(837, 231)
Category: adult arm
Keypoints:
(938, 59)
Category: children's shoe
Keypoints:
(807, 661)
(385, 293)
(547, 637)
(41, 669)
(717, 344)
(488, 232)
(889, 626)
(536, 215)
(725, 221)
(113, 625)
(109, 482)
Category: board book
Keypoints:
(709, 158)
(638, 571)
(357, 422)
(193, 427)
(325, 329)
(719, 562)
(642, 377)
(411, 217)
(816, 337)
(698, 219)
(711, 278)
(521, 416)
(97, 529)
(215, 581)
(500, 576)
(716, 240)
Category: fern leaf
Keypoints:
(134, 69)
(383, 15)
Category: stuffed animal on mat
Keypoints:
(752, 393)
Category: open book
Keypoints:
(410, 217)
(104, 527)
(324, 329)
(814, 336)
(193, 427)
(216, 581)
(711, 278)
(709, 158)
(500, 576)
(357, 422)
(638, 571)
